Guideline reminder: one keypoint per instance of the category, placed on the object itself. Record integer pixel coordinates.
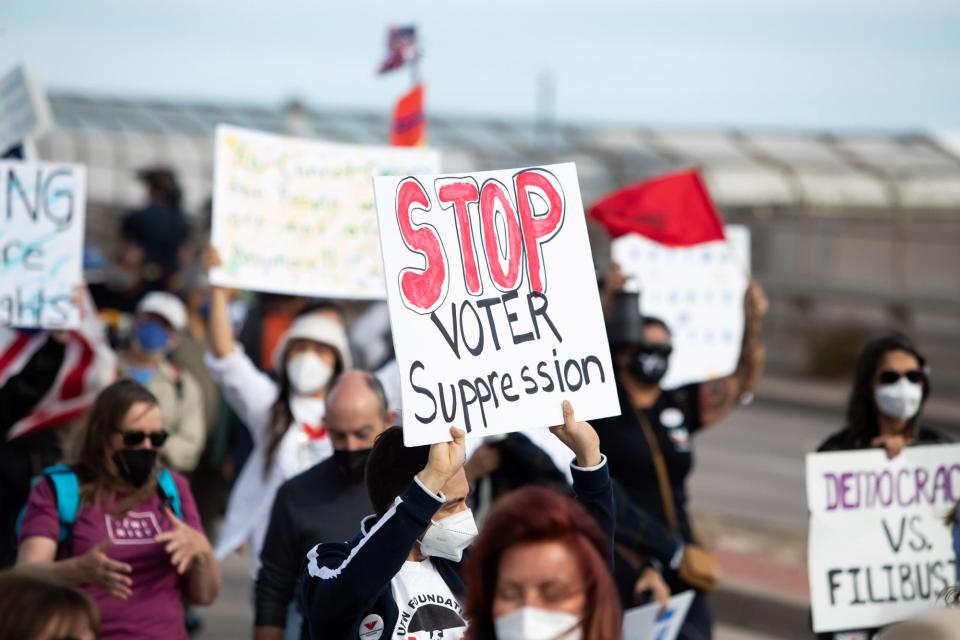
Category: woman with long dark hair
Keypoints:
(37, 608)
(890, 387)
(539, 570)
(284, 417)
(119, 525)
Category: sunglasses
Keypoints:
(661, 349)
(889, 376)
(136, 438)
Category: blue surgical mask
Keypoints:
(152, 336)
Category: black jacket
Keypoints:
(319, 505)
(341, 584)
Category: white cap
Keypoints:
(318, 328)
(167, 306)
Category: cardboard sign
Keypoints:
(698, 291)
(493, 301)
(879, 550)
(24, 110)
(297, 216)
(41, 243)
(647, 621)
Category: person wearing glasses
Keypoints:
(890, 387)
(119, 525)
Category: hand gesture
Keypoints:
(446, 458)
(579, 437)
(184, 543)
(99, 570)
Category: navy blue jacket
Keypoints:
(342, 584)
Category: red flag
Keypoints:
(409, 125)
(674, 209)
(401, 48)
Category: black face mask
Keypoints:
(135, 465)
(351, 463)
(648, 362)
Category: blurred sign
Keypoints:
(879, 549)
(493, 301)
(698, 291)
(24, 110)
(298, 216)
(647, 622)
(41, 243)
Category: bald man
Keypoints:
(322, 504)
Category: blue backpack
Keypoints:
(66, 487)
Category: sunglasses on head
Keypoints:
(136, 438)
(889, 376)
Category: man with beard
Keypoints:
(322, 504)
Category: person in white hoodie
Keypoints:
(285, 417)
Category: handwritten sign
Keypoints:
(879, 550)
(649, 623)
(297, 216)
(41, 243)
(698, 291)
(493, 301)
(24, 110)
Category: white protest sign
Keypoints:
(297, 216)
(879, 550)
(41, 243)
(24, 110)
(698, 291)
(493, 301)
(647, 621)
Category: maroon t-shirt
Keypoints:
(154, 610)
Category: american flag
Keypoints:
(89, 365)
(401, 48)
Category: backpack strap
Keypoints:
(66, 489)
(169, 492)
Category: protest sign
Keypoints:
(24, 110)
(493, 301)
(879, 549)
(297, 216)
(698, 291)
(641, 623)
(41, 243)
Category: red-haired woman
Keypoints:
(539, 570)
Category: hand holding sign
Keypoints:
(580, 437)
(446, 458)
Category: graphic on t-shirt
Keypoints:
(428, 617)
(135, 527)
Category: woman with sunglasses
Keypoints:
(126, 547)
(890, 387)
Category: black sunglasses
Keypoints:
(889, 376)
(650, 347)
(136, 438)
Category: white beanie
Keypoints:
(322, 329)
(167, 306)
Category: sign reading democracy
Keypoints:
(41, 243)
(879, 548)
(493, 301)
(297, 216)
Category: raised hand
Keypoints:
(579, 437)
(99, 570)
(183, 543)
(446, 459)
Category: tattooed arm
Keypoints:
(719, 397)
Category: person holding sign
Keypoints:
(649, 444)
(285, 417)
(120, 525)
(891, 385)
(399, 577)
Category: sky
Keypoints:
(810, 64)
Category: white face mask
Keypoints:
(900, 400)
(530, 623)
(448, 537)
(308, 373)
